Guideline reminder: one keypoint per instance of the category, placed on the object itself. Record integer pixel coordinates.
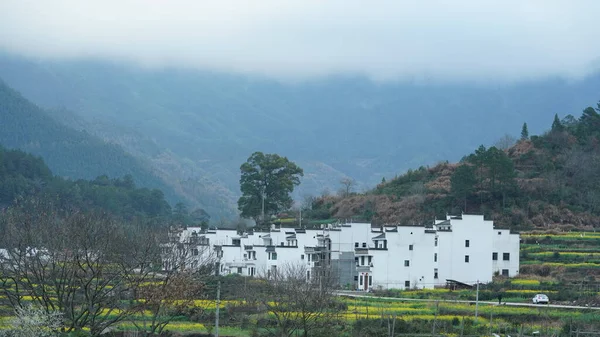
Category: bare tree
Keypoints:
(301, 300)
(347, 186)
(505, 142)
(185, 263)
(164, 297)
(95, 270)
(75, 263)
(307, 202)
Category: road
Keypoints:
(514, 304)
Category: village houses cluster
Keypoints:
(463, 249)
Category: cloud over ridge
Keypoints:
(445, 40)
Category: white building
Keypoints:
(463, 248)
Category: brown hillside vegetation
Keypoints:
(550, 181)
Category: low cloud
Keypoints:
(300, 39)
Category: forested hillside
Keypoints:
(25, 177)
(551, 180)
(197, 127)
(70, 153)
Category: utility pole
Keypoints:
(262, 213)
(437, 307)
(217, 308)
(477, 302)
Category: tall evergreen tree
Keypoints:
(556, 124)
(463, 182)
(524, 132)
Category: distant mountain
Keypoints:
(198, 127)
(70, 153)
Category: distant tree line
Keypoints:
(24, 176)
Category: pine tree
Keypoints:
(557, 125)
(524, 132)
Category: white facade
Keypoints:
(465, 248)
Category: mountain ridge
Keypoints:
(198, 127)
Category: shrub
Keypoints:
(33, 321)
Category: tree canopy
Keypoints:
(266, 182)
(24, 176)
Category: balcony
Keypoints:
(363, 269)
(361, 251)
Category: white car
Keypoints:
(540, 298)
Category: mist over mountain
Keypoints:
(77, 154)
(196, 128)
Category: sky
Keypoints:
(458, 40)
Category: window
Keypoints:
(505, 272)
(466, 258)
(251, 271)
(369, 259)
(435, 242)
(407, 284)
(467, 243)
(499, 233)
(195, 251)
(434, 257)
(410, 247)
(370, 280)
(360, 280)
(495, 256)
(245, 256)
(356, 245)
(239, 270)
(301, 256)
(309, 257)
(356, 278)
(435, 273)
(362, 260)
(273, 256)
(406, 263)
(236, 242)
(506, 256)
(364, 245)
